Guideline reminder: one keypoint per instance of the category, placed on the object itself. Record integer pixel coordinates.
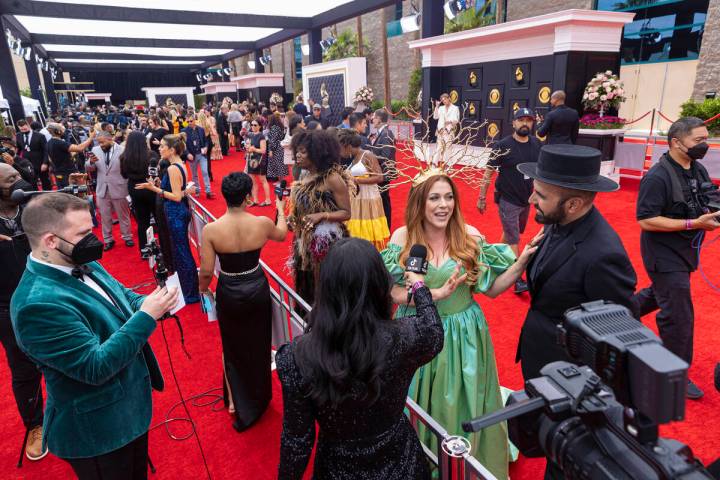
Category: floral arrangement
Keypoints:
(276, 98)
(364, 95)
(602, 92)
(606, 122)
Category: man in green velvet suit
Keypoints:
(89, 336)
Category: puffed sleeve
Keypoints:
(494, 259)
(391, 256)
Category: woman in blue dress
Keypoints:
(177, 213)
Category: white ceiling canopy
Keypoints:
(136, 62)
(100, 28)
(283, 8)
(147, 51)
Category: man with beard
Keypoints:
(580, 259)
(512, 189)
(14, 249)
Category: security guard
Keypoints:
(673, 215)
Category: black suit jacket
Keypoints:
(589, 264)
(221, 123)
(383, 146)
(561, 125)
(38, 153)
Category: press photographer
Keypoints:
(89, 336)
(14, 250)
(673, 213)
(8, 155)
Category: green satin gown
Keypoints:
(462, 381)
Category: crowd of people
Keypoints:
(360, 357)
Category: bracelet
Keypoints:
(416, 286)
(688, 224)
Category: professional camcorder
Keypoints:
(709, 196)
(600, 420)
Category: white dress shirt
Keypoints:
(446, 115)
(86, 278)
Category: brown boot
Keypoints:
(33, 446)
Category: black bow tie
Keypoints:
(81, 270)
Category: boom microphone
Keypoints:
(21, 196)
(416, 262)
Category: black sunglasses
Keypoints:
(255, 124)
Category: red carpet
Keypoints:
(254, 453)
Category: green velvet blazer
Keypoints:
(99, 369)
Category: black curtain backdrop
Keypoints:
(127, 85)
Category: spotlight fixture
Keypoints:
(453, 7)
(251, 64)
(305, 49)
(199, 77)
(227, 70)
(411, 23)
(327, 43)
(265, 59)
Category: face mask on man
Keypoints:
(20, 184)
(87, 249)
(697, 152)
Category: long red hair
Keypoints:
(463, 247)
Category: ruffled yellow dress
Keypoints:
(367, 216)
(461, 383)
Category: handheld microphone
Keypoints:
(282, 190)
(21, 196)
(416, 263)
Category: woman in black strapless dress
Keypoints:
(243, 297)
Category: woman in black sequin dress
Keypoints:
(351, 372)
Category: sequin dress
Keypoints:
(356, 440)
(461, 383)
(177, 215)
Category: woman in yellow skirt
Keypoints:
(367, 218)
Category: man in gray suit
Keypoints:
(111, 190)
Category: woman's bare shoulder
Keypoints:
(399, 236)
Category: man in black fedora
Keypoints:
(580, 258)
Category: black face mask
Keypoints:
(523, 131)
(698, 151)
(19, 184)
(87, 249)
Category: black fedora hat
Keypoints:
(570, 166)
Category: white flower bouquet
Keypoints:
(603, 91)
(364, 95)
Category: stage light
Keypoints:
(453, 7)
(199, 78)
(265, 59)
(251, 64)
(305, 49)
(327, 43)
(411, 23)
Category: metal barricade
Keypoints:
(451, 455)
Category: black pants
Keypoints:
(210, 146)
(224, 143)
(44, 177)
(670, 292)
(387, 208)
(62, 179)
(143, 202)
(24, 373)
(126, 463)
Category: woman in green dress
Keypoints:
(461, 382)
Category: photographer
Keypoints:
(89, 335)
(8, 155)
(14, 250)
(673, 216)
(60, 153)
(351, 371)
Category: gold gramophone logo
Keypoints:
(494, 96)
(473, 78)
(453, 96)
(493, 130)
(542, 139)
(471, 108)
(519, 74)
(515, 106)
(544, 94)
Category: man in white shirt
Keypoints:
(448, 117)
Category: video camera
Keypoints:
(595, 430)
(709, 196)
